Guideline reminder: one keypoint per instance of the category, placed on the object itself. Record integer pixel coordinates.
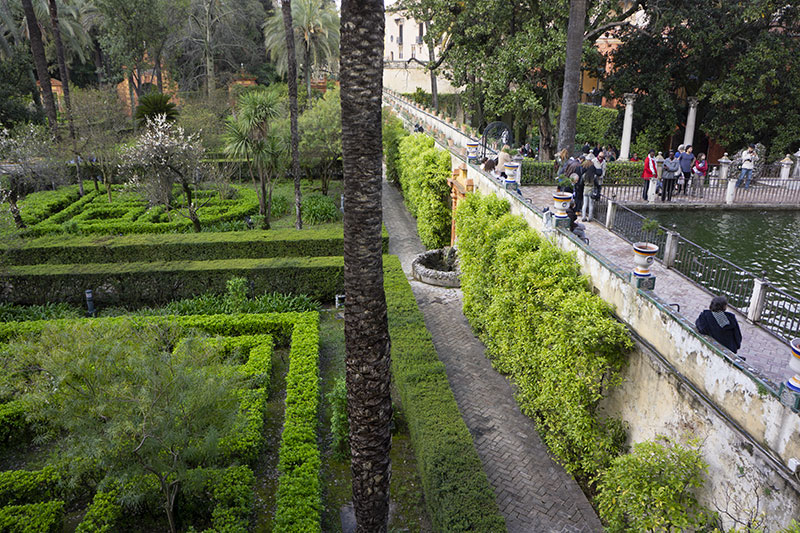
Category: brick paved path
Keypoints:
(534, 493)
(765, 355)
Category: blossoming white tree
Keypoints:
(163, 156)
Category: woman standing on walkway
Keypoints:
(669, 175)
(588, 184)
(699, 172)
(649, 172)
(687, 160)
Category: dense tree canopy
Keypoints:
(740, 59)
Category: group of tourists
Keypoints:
(683, 173)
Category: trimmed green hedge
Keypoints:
(324, 241)
(529, 303)
(146, 284)
(38, 206)
(424, 170)
(393, 133)
(28, 486)
(228, 491)
(128, 214)
(617, 172)
(457, 492)
(299, 500)
(45, 517)
(12, 420)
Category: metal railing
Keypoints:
(778, 311)
(714, 273)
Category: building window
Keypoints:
(391, 55)
(399, 34)
(391, 38)
(400, 54)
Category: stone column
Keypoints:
(611, 214)
(688, 137)
(756, 307)
(796, 174)
(627, 126)
(651, 190)
(671, 249)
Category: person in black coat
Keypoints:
(720, 324)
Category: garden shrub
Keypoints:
(424, 170)
(299, 501)
(652, 489)
(595, 125)
(537, 172)
(318, 209)
(457, 493)
(528, 302)
(28, 486)
(544, 172)
(37, 206)
(147, 284)
(393, 133)
(12, 420)
(313, 242)
(45, 517)
(340, 427)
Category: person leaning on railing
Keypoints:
(720, 324)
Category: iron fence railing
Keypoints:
(781, 313)
(714, 273)
(628, 225)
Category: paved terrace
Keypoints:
(763, 353)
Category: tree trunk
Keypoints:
(262, 197)
(572, 75)
(15, 33)
(187, 190)
(545, 135)
(14, 208)
(132, 102)
(369, 404)
(97, 56)
(288, 28)
(40, 60)
(62, 68)
(269, 205)
(434, 81)
(211, 82)
(307, 73)
(159, 78)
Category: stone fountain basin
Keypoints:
(433, 268)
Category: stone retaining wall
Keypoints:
(679, 384)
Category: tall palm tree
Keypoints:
(369, 404)
(316, 31)
(291, 62)
(40, 60)
(251, 135)
(572, 75)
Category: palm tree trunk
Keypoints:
(286, 9)
(307, 73)
(62, 67)
(572, 75)
(369, 404)
(40, 60)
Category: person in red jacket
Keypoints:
(699, 171)
(649, 172)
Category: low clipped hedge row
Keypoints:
(327, 241)
(424, 170)
(227, 492)
(12, 420)
(457, 492)
(135, 285)
(299, 500)
(528, 302)
(544, 172)
(92, 215)
(38, 206)
(43, 517)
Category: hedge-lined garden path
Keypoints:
(533, 492)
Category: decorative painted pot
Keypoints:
(561, 203)
(645, 255)
(793, 383)
(512, 170)
(472, 150)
